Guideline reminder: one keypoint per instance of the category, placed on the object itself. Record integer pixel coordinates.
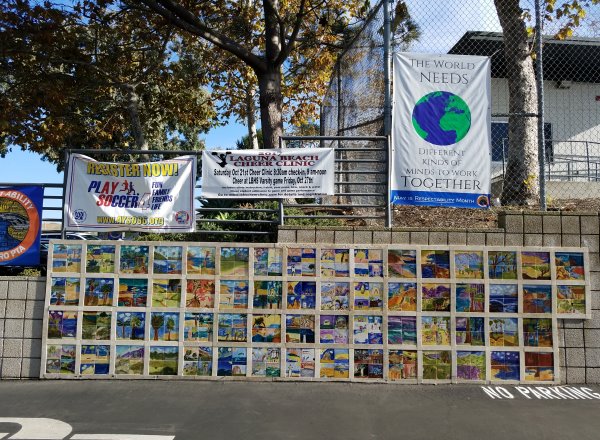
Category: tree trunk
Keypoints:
(521, 181)
(271, 100)
(251, 118)
(133, 102)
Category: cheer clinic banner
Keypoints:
(281, 173)
(441, 133)
(152, 196)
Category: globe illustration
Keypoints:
(441, 118)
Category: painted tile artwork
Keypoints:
(266, 362)
(166, 292)
(300, 329)
(133, 292)
(435, 330)
(62, 324)
(95, 325)
(435, 264)
(537, 332)
(402, 297)
(234, 261)
(470, 365)
(301, 262)
(368, 296)
(300, 362)
(504, 298)
(267, 295)
(437, 365)
(335, 296)
(402, 330)
(168, 260)
(368, 263)
(571, 299)
(402, 263)
(95, 359)
(164, 326)
(130, 325)
(505, 365)
(368, 329)
(435, 297)
(535, 265)
(335, 363)
(200, 294)
(470, 297)
(502, 265)
(470, 331)
(301, 295)
(335, 263)
(233, 294)
(100, 258)
(197, 361)
(201, 260)
(539, 366)
(569, 266)
(268, 261)
(368, 363)
(468, 264)
(198, 327)
(266, 328)
(134, 259)
(232, 327)
(537, 298)
(402, 364)
(65, 291)
(66, 258)
(333, 329)
(232, 361)
(129, 359)
(504, 332)
(163, 361)
(99, 292)
(60, 359)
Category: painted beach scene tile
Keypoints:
(232, 327)
(200, 294)
(266, 362)
(201, 260)
(131, 325)
(163, 361)
(300, 362)
(62, 324)
(535, 265)
(368, 263)
(95, 359)
(470, 365)
(164, 326)
(468, 264)
(402, 330)
(233, 294)
(268, 261)
(266, 328)
(232, 361)
(435, 297)
(198, 327)
(335, 363)
(300, 329)
(470, 297)
(168, 260)
(402, 263)
(166, 292)
(569, 266)
(368, 363)
(99, 291)
(301, 294)
(502, 265)
(368, 329)
(435, 264)
(301, 262)
(504, 332)
(134, 259)
(129, 359)
(537, 298)
(470, 331)
(335, 296)
(505, 365)
(402, 297)
(539, 366)
(197, 361)
(64, 291)
(333, 329)
(335, 262)
(234, 261)
(437, 365)
(435, 330)
(537, 332)
(100, 258)
(368, 296)
(60, 359)
(66, 258)
(571, 299)
(95, 325)
(504, 298)
(267, 295)
(402, 364)
(133, 292)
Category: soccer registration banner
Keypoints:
(20, 225)
(441, 132)
(151, 196)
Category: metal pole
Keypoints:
(280, 201)
(539, 65)
(64, 194)
(387, 106)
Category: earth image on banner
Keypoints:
(441, 118)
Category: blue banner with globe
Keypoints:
(441, 131)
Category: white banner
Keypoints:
(152, 196)
(441, 132)
(250, 174)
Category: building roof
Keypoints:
(575, 59)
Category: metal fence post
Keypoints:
(64, 204)
(387, 105)
(539, 67)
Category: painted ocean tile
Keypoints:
(166, 293)
(66, 258)
(168, 260)
(134, 259)
(197, 361)
(505, 365)
(569, 266)
(537, 332)
(402, 263)
(129, 359)
(233, 294)
(60, 359)
(571, 299)
(234, 261)
(62, 324)
(402, 297)
(535, 265)
(267, 295)
(504, 298)
(504, 332)
(470, 297)
(437, 365)
(300, 362)
(435, 330)
(99, 292)
(232, 361)
(470, 331)
(402, 364)
(200, 294)
(95, 359)
(198, 327)
(368, 329)
(268, 261)
(130, 325)
(502, 265)
(100, 258)
(537, 298)
(300, 329)
(470, 365)
(95, 325)
(333, 329)
(435, 264)
(435, 297)
(368, 263)
(266, 362)
(301, 262)
(301, 294)
(335, 296)
(335, 363)
(335, 262)
(468, 264)
(232, 327)
(368, 363)
(368, 296)
(539, 366)
(266, 328)
(201, 260)
(163, 361)
(64, 291)
(402, 330)
(133, 292)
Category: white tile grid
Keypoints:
(317, 346)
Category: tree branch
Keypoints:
(288, 47)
